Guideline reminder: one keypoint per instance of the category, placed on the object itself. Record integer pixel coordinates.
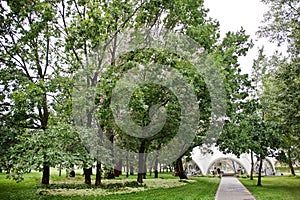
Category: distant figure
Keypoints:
(219, 172)
(214, 171)
(72, 173)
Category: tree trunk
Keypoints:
(252, 166)
(98, 174)
(290, 163)
(46, 174)
(131, 170)
(145, 167)
(156, 173)
(110, 174)
(179, 169)
(127, 165)
(292, 168)
(59, 172)
(87, 176)
(155, 167)
(141, 162)
(118, 168)
(259, 171)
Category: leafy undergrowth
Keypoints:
(278, 187)
(195, 189)
(108, 187)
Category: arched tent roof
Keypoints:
(226, 158)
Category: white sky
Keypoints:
(234, 14)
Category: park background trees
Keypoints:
(46, 45)
(281, 81)
(268, 120)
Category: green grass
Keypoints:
(286, 168)
(201, 188)
(10, 190)
(279, 188)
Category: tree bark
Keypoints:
(59, 172)
(155, 167)
(110, 174)
(259, 171)
(131, 170)
(145, 167)
(291, 163)
(252, 165)
(141, 162)
(118, 168)
(87, 176)
(127, 165)
(98, 174)
(46, 174)
(179, 169)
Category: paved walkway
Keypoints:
(231, 188)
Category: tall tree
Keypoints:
(281, 86)
(30, 45)
(85, 33)
(248, 131)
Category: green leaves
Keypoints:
(281, 24)
(281, 96)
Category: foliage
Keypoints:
(32, 77)
(281, 88)
(281, 81)
(248, 129)
(281, 24)
(58, 145)
(45, 43)
(109, 186)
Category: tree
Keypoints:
(143, 100)
(86, 33)
(281, 24)
(248, 130)
(281, 84)
(44, 42)
(30, 43)
(281, 89)
(150, 15)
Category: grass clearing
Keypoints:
(278, 187)
(166, 187)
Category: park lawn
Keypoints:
(10, 190)
(198, 188)
(278, 187)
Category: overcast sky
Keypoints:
(234, 14)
